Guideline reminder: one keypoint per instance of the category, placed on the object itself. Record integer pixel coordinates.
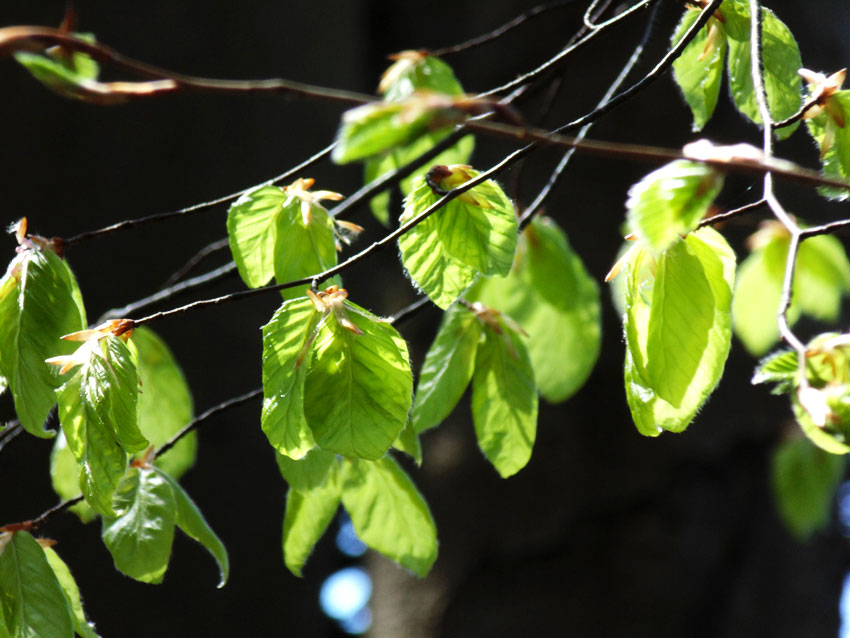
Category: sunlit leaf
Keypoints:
(39, 302)
(82, 626)
(834, 142)
(140, 536)
(308, 472)
(65, 477)
(389, 514)
(670, 201)
(32, 599)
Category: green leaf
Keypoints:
(82, 626)
(389, 514)
(447, 369)
(165, 401)
(308, 472)
(699, 70)
(670, 201)
(140, 536)
(779, 367)
(408, 442)
(31, 597)
(285, 338)
(357, 393)
(414, 71)
(834, 142)
(782, 83)
(651, 413)
(194, 525)
(303, 249)
(65, 477)
(377, 127)
(68, 74)
(804, 482)
(822, 277)
(551, 295)
(474, 233)
(252, 233)
(39, 302)
(504, 398)
(99, 415)
(308, 514)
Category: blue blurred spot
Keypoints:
(844, 608)
(347, 541)
(345, 593)
(843, 499)
(359, 623)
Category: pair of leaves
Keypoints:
(699, 70)
(39, 596)
(550, 294)
(677, 327)
(326, 384)
(39, 302)
(165, 406)
(484, 347)
(281, 234)
(148, 504)
(388, 512)
(415, 71)
(475, 233)
(821, 279)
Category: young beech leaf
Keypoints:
(408, 442)
(504, 397)
(413, 71)
(699, 70)
(285, 363)
(39, 302)
(389, 514)
(309, 511)
(358, 388)
(140, 536)
(65, 477)
(550, 294)
(474, 233)
(82, 626)
(189, 519)
(447, 369)
(99, 415)
(804, 482)
(377, 127)
(281, 232)
(832, 135)
(693, 276)
(781, 58)
(32, 600)
(308, 472)
(670, 201)
(165, 401)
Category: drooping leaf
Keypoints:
(65, 477)
(474, 233)
(285, 363)
(389, 514)
(670, 201)
(781, 59)
(98, 410)
(447, 369)
(408, 442)
(82, 626)
(699, 70)
(833, 141)
(165, 401)
(308, 472)
(804, 482)
(357, 393)
(504, 398)
(39, 302)
(189, 519)
(551, 295)
(308, 514)
(32, 599)
(651, 413)
(140, 536)
(252, 233)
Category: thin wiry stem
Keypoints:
(593, 26)
(13, 429)
(410, 310)
(197, 258)
(735, 212)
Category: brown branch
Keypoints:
(197, 258)
(735, 212)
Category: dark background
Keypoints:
(605, 533)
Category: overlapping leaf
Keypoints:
(474, 233)
(550, 294)
(82, 626)
(832, 135)
(39, 302)
(677, 328)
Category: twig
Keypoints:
(799, 115)
(502, 30)
(824, 228)
(410, 310)
(190, 265)
(593, 26)
(735, 212)
(13, 429)
(141, 221)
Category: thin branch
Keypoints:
(593, 26)
(824, 229)
(799, 115)
(196, 259)
(735, 212)
(197, 421)
(13, 429)
(168, 293)
(135, 223)
(410, 310)
(502, 30)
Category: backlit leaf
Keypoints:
(65, 477)
(82, 626)
(308, 472)
(834, 142)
